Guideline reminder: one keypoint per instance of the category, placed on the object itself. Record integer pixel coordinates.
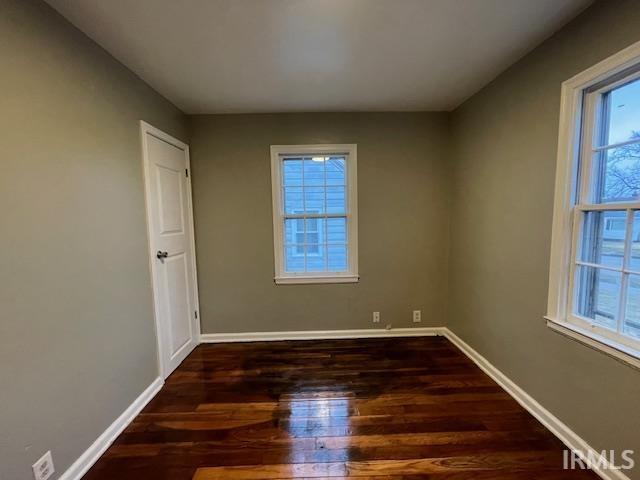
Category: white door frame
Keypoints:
(147, 129)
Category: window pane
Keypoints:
(635, 244)
(314, 171)
(617, 174)
(337, 257)
(314, 199)
(624, 119)
(315, 230)
(293, 200)
(336, 200)
(603, 238)
(599, 295)
(632, 320)
(294, 258)
(315, 202)
(316, 257)
(292, 172)
(336, 171)
(294, 230)
(336, 230)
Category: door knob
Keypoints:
(162, 255)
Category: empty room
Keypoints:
(320, 239)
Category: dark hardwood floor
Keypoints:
(401, 408)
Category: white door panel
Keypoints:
(179, 308)
(170, 223)
(170, 195)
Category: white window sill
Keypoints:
(318, 279)
(614, 349)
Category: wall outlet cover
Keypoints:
(43, 468)
(417, 316)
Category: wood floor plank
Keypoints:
(477, 463)
(383, 409)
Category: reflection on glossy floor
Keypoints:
(401, 408)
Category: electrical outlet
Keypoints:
(43, 468)
(417, 316)
(376, 317)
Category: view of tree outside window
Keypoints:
(608, 275)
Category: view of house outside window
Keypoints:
(315, 214)
(608, 253)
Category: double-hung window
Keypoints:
(595, 265)
(315, 213)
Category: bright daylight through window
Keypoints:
(603, 274)
(314, 201)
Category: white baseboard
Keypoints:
(544, 416)
(104, 441)
(319, 334)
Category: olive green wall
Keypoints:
(504, 145)
(403, 221)
(77, 341)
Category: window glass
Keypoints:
(336, 230)
(315, 213)
(596, 238)
(314, 171)
(617, 174)
(632, 310)
(607, 254)
(293, 199)
(337, 257)
(292, 172)
(315, 230)
(624, 113)
(599, 295)
(315, 256)
(336, 200)
(294, 258)
(313, 199)
(336, 171)
(634, 262)
(603, 237)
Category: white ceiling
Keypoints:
(215, 56)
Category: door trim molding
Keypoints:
(92, 454)
(145, 129)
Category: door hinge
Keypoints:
(186, 172)
(196, 314)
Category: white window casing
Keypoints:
(581, 101)
(348, 274)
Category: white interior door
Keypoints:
(170, 226)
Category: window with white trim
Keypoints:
(315, 213)
(595, 265)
